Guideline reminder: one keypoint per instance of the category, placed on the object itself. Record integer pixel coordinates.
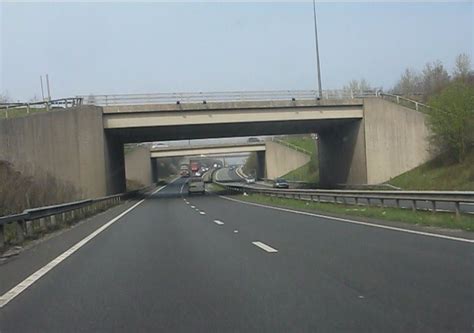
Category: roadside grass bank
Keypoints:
(438, 219)
(439, 174)
(310, 171)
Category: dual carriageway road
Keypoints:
(176, 263)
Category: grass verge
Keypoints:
(439, 174)
(310, 171)
(439, 219)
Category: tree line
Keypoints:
(451, 98)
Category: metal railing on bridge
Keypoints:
(229, 96)
(8, 110)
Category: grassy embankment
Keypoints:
(310, 171)
(442, 220)
(439, 174)
(423, 218)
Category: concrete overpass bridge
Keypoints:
(363, 138)
(208, 150)
(268, 153)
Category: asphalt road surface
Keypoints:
(176, 263)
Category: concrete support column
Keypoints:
(342, 158)
(114, 165)
(2, 236)
(261, 165)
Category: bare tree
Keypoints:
(4, 98)
(357, 86)
(462, 67)
(409, 84)
(435, 78)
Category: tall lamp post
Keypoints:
(320, 88)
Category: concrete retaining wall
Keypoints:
(69, 146)
(138, 166)
(280, 159)
(396, 139)
(390, 140)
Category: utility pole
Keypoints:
(320, 88)
(47, 86)
(42, 90)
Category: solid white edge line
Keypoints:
(465, 240)
(20, 287)
(265, 247)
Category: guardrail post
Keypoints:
(2, 236)
(19, 232)
(397, 202)
(382, 202)
(433, 206)
(29, 230)
(457, 208)
(416, 106)
(53, 221)
(42, 224)
(398, 99)
(413, 207)
(28, 108)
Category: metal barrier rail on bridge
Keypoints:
(230, 96)
(8, 110)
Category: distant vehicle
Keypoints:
(250, 180)
(195, 167)
(196, 185)
(217, 166)
(253, 140)
(184, 173)
(198, 174)
(280, 183)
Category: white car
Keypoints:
(196, 185)
(250, 180)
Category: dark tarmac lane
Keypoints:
(208, 264)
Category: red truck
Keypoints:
(195, 167)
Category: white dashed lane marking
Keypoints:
(218, 222)
(265, 247)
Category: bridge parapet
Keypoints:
(229, 96)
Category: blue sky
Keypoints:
(165, 47)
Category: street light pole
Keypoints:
(320, 88)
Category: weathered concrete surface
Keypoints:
(396, 139)
(69, 146)
(342, 157)
(390, 140)
(237, 105)
(207, 150)
(138, 166)
(280, 159)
